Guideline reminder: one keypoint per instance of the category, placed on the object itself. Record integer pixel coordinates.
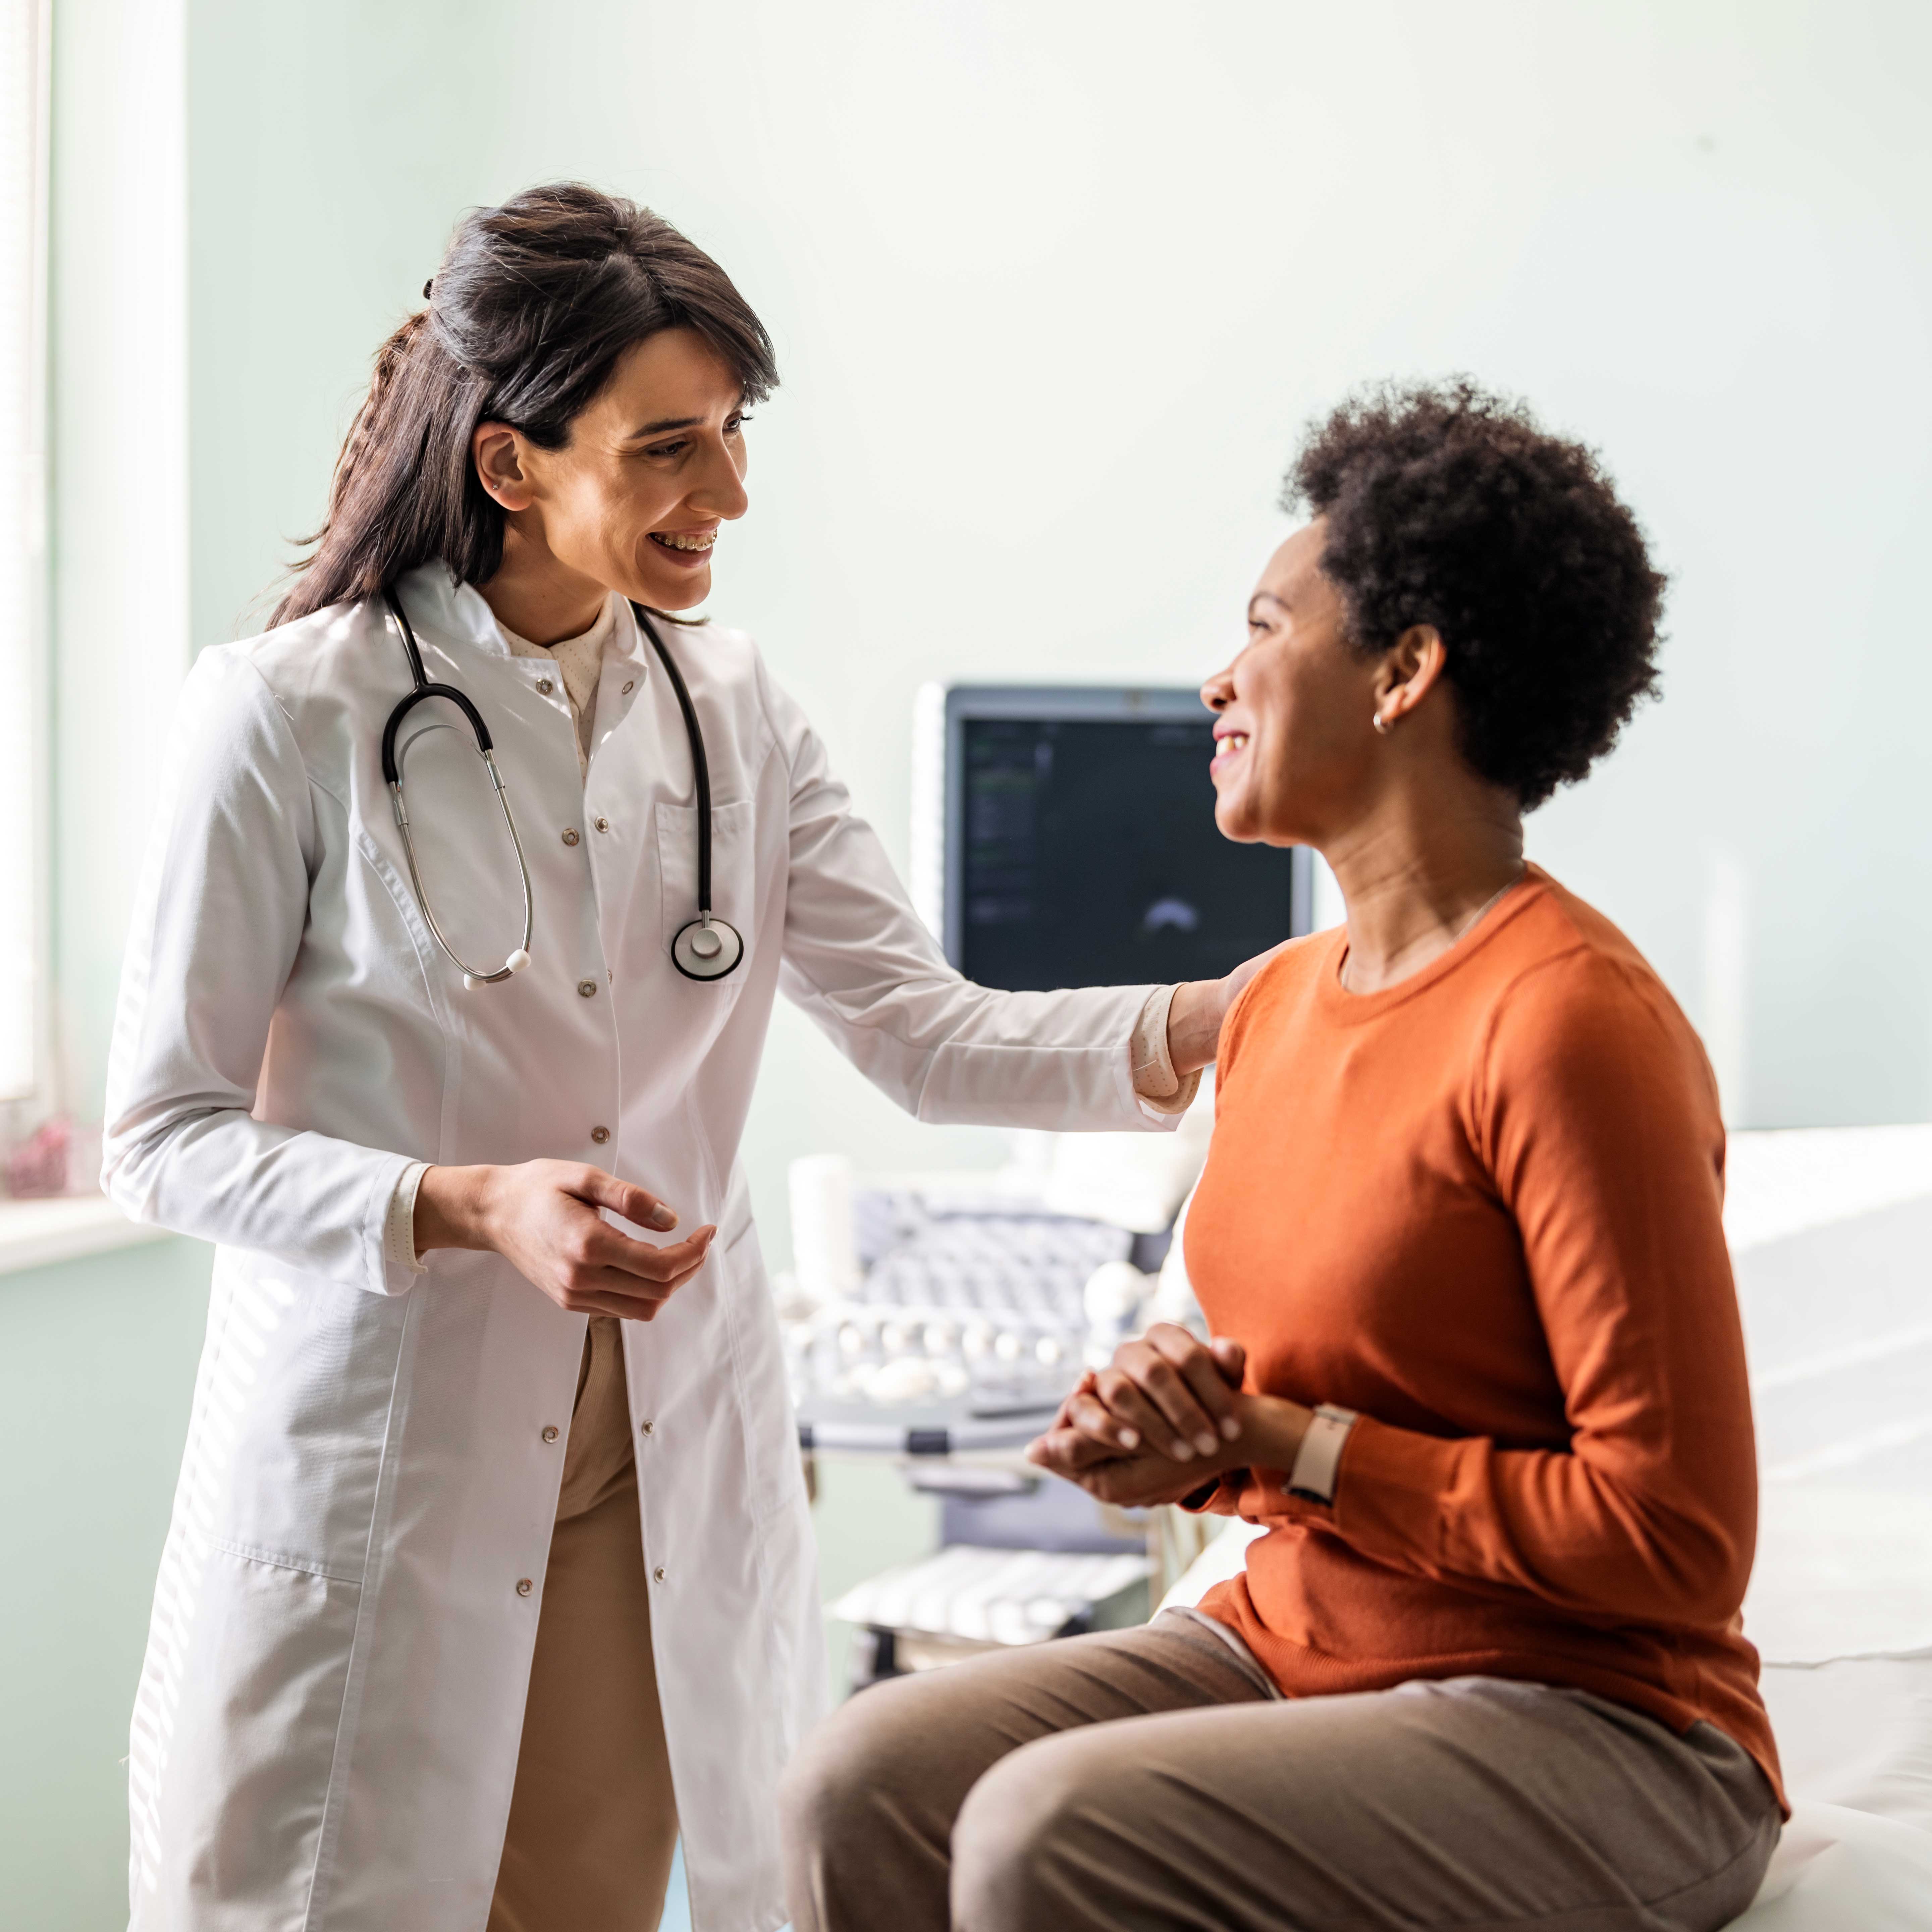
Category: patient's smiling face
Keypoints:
(1293, 748)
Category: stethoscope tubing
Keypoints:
(392, 775)
(701, 764)
(708, 948)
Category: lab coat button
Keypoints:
(602, 824)
(630, 685)
(659, 1572)
(545, 686)
(600, 1134)
(570, 835)
(549, 1432)
(524, 1586)
(587, 988)
(647, 1426)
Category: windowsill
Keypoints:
(33, 1233)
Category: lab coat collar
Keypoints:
(627, 643)
(451, 611)
(437, 603)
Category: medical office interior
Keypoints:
(1054, 288)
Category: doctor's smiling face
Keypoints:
(634, 500)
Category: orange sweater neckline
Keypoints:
(1340, 1004)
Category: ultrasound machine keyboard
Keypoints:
(964, 1303)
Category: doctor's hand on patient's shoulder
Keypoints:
(542, 1217)
(1198, 1007)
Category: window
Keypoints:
(23, 736)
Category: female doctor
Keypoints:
(490, 1566)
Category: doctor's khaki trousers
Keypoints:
(593, 1821)
(1154, 1778)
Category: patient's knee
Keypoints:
(1024, 1855)
(843, 1762)
(852, 1778)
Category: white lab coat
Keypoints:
(328, 1721)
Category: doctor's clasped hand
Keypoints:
(542, 1217)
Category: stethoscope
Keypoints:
(707, 948)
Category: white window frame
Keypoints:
(26, 720)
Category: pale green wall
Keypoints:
(97, 1367)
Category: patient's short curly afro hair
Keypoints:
(1449, 506)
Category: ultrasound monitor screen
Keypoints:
(1089, 857)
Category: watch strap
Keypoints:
(1318, 1460)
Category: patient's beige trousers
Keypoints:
(1151, 1778)
(593, 1820)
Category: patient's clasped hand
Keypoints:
(1166, 1420)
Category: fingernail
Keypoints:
(1230, 1428)
(1205, 1444)
(1130, 1438)
(1183, 1452)
(662, 1217)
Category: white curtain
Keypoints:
(23, 98)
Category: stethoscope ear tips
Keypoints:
(517, 961)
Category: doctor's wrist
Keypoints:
(453, 1208)
(1194, 1024)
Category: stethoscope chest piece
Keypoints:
(707, 948)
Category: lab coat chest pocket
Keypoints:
(733, 884)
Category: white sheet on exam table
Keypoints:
(1855, 1738)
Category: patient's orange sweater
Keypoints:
(1484, 1207)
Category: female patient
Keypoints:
(1477, 1365)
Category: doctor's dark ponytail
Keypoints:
(533, 304)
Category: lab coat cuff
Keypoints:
(1157, 1087)
(400, 1263)
(1161, 1096)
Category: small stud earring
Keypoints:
(1381, 724)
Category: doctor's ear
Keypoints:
(497, 451)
